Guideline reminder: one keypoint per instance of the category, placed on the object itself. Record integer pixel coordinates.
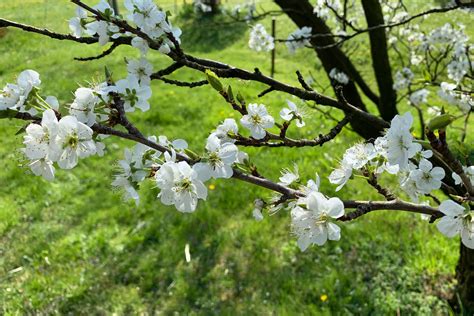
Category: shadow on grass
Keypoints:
(207, 33)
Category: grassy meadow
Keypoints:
(73, 246)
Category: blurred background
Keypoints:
(74, 246)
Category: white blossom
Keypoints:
(219, 160)
(469, 171)
(104, 30)
(409, 186)
(257, 120)
(359, 155)
(74, 141)
(199, 5)
(167, 44)
(83, 107)
(140, 44)
(419, 96)
(40, 145)
(292, 113)
(426, 177)
(145, 14)
(42, 167)
(312, 223)
(457, 220)
(126, 179)
(242, 157)
(16, 96)
(341, 175)
(458, 68)
(400, 145)
(298, 39)
(229, 126)
(40, 138)
(259, 40)
(322, 8)
(465, 103)
(140, 69)
(76, 24)
(257, 210)
(446, 92)
(339, 76)
(403, 78)
(288, 176)
(179, 185)
(133, 94)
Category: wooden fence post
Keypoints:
(272, 71)
(114, 5)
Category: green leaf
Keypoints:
(240, 98)
(230, 93)
(22, 130)
(108, 75)
(440, 122)
(214, 80)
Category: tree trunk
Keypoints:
(301, 12)
(214, 4)
(380, 61)
(465, 286)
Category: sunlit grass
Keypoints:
(73, 246)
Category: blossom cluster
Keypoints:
(446, 45)
(299, 39)
(49, 140)
(260, 40)
(63, 142)
(322, 8)
(22, 96)
(313, 215)
(397, 153)
(181, 184)
(249, 8)
(180, 181)
(148, 18)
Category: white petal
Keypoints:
(304, 241)
(451, 208)
(335, 207)
(203, 170)
(320, 235)
(334, 232)
(449, 226)
(467, 238)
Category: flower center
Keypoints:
(72, 141)
(256, 119)
(184, 185)
(427, 176)
(214, 159)
(321, 219)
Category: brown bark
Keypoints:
(380, 60)
(463, 300)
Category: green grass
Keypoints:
(74, 247)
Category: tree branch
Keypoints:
(362, 207)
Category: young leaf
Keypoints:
(214, 81)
